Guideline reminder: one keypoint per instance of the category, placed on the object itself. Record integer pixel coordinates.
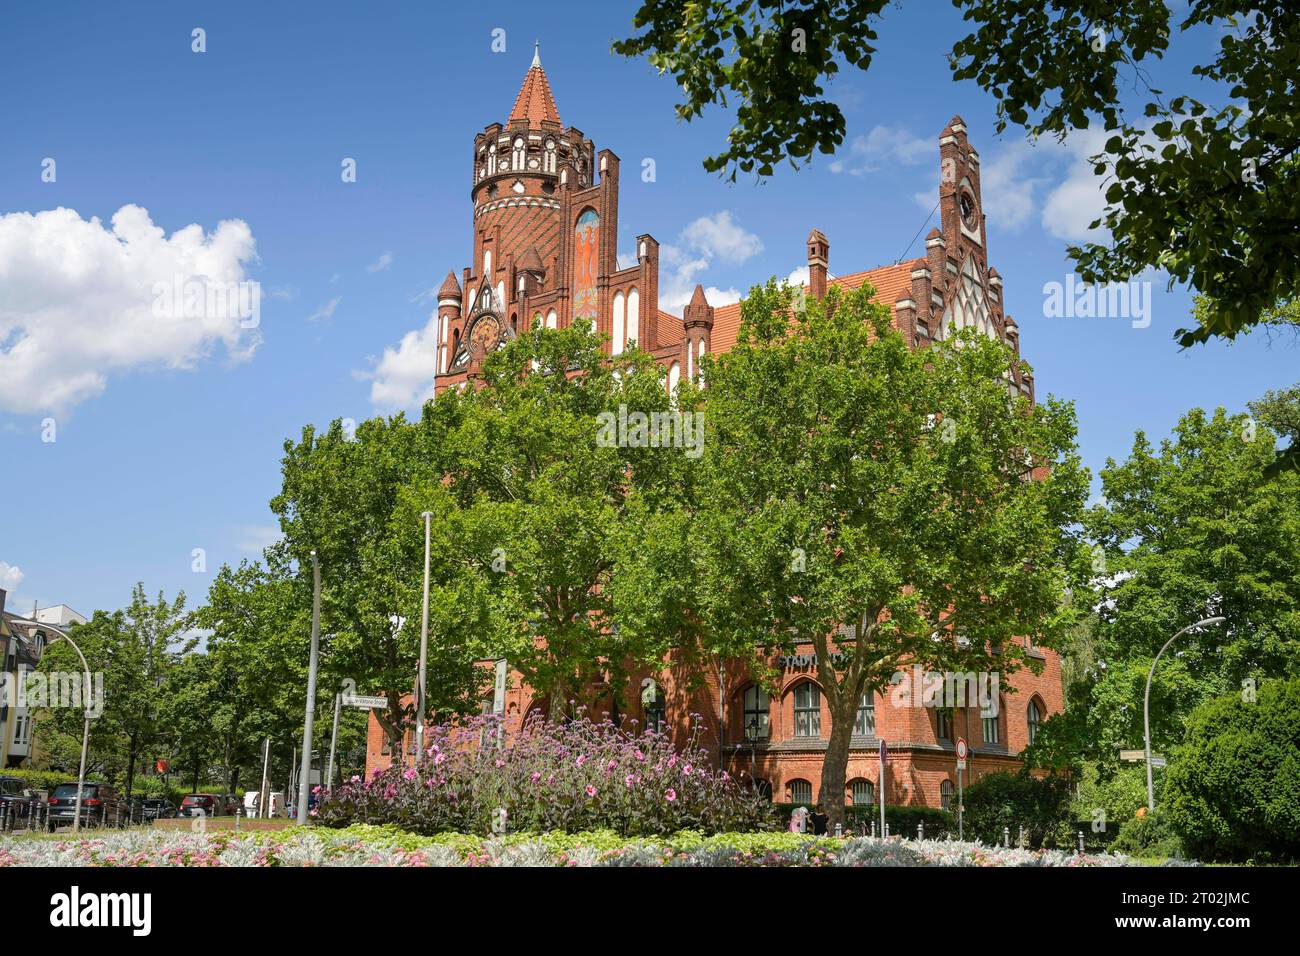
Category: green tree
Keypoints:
(134, 649)
(1204, 189)
(541, 512)
(855, 482)
(1233, 789)
(1184, 530)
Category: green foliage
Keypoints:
(40, 779)
(1149, 836)
(1204, 191)
(1279, 410)
(1012, 800)
(853, 481)
(902, 820)
(1233, 787)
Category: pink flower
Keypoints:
(355, 779)
(611, 765)
(582, 758)
(670, 794)
(410, 774)
(672, 761)
(440, 758)
(500, 763)
(591, 791)
(638, 754)
(687, 770)
(535, 776)
(627, 781)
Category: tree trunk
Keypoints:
(130, 769)
(836, 762)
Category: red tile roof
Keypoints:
(535, 102)
(891, 282)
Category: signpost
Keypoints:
(364, 703)
(884, 756)
(963, 752)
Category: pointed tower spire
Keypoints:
(537, 55)
(535, 102)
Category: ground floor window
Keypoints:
(800, 791)
(945, 794)
(863, 793)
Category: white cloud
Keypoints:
(1081, 198)
(883, 144)
(798, 277)
(403, 376)
(326, 311)
(78, 301)
(255, 538)
(702, 241)
(10, 576)
(382, 263)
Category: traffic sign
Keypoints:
(884, 751)
(1132, 755)
(962, 750)
(364, 703)
(1157, 760)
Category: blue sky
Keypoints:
(166, 445)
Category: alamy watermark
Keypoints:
(945, 689)
(198, 297)
(37, 690)
(664, 429)
(1073, 299)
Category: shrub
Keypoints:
(999, 801)
(581, 775)
(45, 780)
(1232, 791)
(902, 820)
(1148, 835)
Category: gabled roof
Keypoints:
(892, 283)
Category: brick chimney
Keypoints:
(819, 254)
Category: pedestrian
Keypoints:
(819, 820)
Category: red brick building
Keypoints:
(545, 225)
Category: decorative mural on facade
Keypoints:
(586, 265)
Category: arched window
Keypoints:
(518, 155)
(807, 710)
(620, 327)
(865, 724)
(800, 791)
(487, 263)
(552, 320)
(633, 332)
(945, 794)
(674, 377)
(1033, 717)
(757, 720)
(862, 792)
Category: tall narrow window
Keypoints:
(1032, 719)
(807, 710)
(620, 328)
(865, 724)
(757, 717)
(945, 794)
(633, 316)
(942, 725)
(864, 794)
(800, 792)
(990, 729)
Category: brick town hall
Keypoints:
(545, 225)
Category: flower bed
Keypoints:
(383, 846)
(581, 775)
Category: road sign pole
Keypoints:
(334, 740)
(884, 754)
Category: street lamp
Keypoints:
(422, 689)
(307, 726)
(1146, 703)
(85, 730)
(752, 727)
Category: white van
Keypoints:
(253, 798)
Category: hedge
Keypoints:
(902, 820)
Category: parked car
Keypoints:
(201, 805)
(16, 798)
(152, 808)
(100, 806)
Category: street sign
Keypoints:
(364, 703)
(1157, 760)
(1132, 755)
(884, 751)
(962, 750)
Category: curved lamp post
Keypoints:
(85, 731)
(1146, 703)
(308, 728)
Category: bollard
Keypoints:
(886, 829)
(920, 831)
(1080, 842)
(1020, 840)
(1006, 837)
(839, 831)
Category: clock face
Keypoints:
(485, 335)
(968, 210)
